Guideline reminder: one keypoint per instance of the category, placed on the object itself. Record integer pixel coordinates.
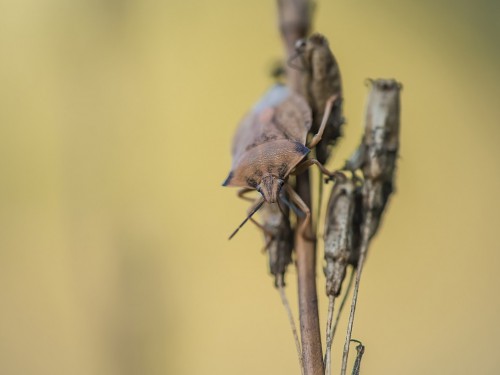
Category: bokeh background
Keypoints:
(116, 121)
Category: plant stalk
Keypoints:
(294, 23)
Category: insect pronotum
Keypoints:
(376, 157)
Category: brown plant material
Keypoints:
(339, 233)
(376, 157)
(278, 237)
(320, 80)
(360, 350)
(294, 22)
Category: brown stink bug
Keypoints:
(320, 81)
(270, 144)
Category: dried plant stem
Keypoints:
(294, 23)
(363, 250)
(329, 336)
(291, 320)
(331, 327)
(344, 300)
(357, 363)
(308, 300)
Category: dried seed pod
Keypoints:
(377, 154)
(343, 210)
(376, 157)
(382, 129)
(339, 233)
(278, 236)
(321, 80)
(382, 145)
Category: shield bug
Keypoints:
(320, 81)
(270, 144)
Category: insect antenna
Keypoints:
(256, 208)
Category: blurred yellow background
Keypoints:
(116, 121)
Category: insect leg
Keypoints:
(328, 109)
(243, 192)
(294, 197)
(309, 162)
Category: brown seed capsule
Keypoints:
(270, 143)
(376, 157)
(278, 236)
(339, 234)
(382, 130)
(377, 154)
(320, 80)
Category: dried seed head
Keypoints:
(382, 129)
(376, 157)
(279, 240)
(320, 81)
(339, 233)
(382, 145)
